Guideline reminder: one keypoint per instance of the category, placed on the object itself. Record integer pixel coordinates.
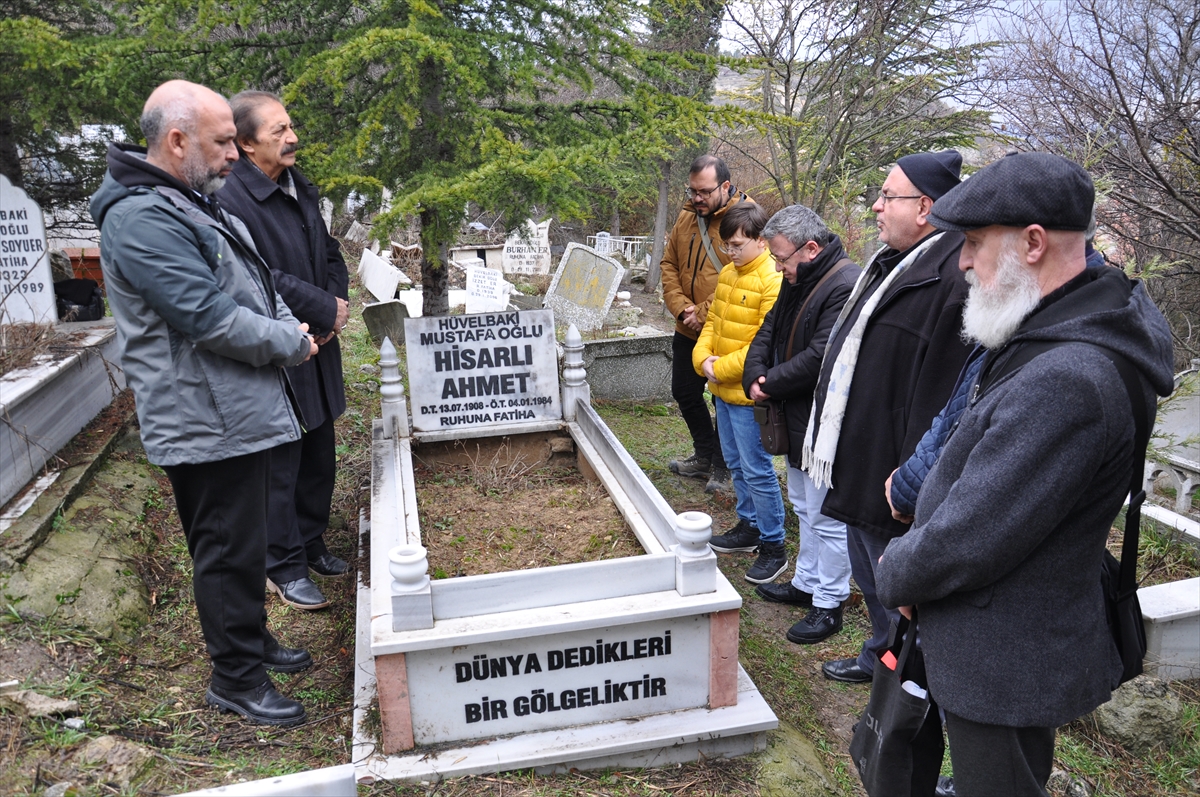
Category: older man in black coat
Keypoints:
(890, 366)
(280, 208)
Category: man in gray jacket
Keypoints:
(1004, 556)
(204, 341)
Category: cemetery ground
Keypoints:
(139, 689)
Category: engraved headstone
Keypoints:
(487, 290)
(26, 287)
(488, 369)
(531, 254)
(519, 685)
(584, 287)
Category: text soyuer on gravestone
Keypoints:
(485, 369)
(26, 287)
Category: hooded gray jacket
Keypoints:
(1004, 556)
(204, 336)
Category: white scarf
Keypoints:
(817, 460)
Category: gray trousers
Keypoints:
(865, 549)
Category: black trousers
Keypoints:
(999, 761)
(223, 509)
(687, 388)
(302, 474)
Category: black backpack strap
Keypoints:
(1143, 421)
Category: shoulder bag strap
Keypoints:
(838, 266)
(708, 247)
(1143, 419)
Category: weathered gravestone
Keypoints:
(529, 254)
(482, 370)
(386, 320)
(26, 287)
(583, 287)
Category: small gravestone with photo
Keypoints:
(26, 286)
(584, 287)
(481, 370)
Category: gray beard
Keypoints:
(199, 177)
(993, 315)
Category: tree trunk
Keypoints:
(615, 225)
(10, 159)
(660, 227)
(435, 271)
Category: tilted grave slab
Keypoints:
(624, 662)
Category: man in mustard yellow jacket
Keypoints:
(746, 291)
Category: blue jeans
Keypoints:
(758, 498)
(865, 549)
(822, 566)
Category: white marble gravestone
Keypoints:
(380, 277)
(482, 370)
(487, 290)
(584, 287)
(26, 287)
(529, 255)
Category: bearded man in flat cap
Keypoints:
(890, 366)
(1004, 556)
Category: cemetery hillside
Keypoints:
(397, 316)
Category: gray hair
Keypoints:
(245, 105)
(798, 225)
(174, 114)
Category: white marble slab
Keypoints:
(336, 781)
(531, 254)
(1171, 613)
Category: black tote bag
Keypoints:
(897, 745)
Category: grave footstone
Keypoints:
(482, 370)
(583, 288)
(487, 290)
(529, 254)
(26, 286)
(386, 320)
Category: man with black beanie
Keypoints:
(890, 366)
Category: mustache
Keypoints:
(288, 149)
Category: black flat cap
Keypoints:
(1018, 190)
(933, 173)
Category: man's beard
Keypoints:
(993, 315)
(198, 176)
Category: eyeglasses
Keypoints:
(703, 193)
(779, 259)
(726, 249)
(885, 197)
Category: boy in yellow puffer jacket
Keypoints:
(746, 291)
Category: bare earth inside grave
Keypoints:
(496, 514)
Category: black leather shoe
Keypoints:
(281, 659)
(262, 704)
(845, 670)
(301, 593)
(784, 593)
(328, 566)
(819, 624)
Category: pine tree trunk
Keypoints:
(435, 271)
(660, 227)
